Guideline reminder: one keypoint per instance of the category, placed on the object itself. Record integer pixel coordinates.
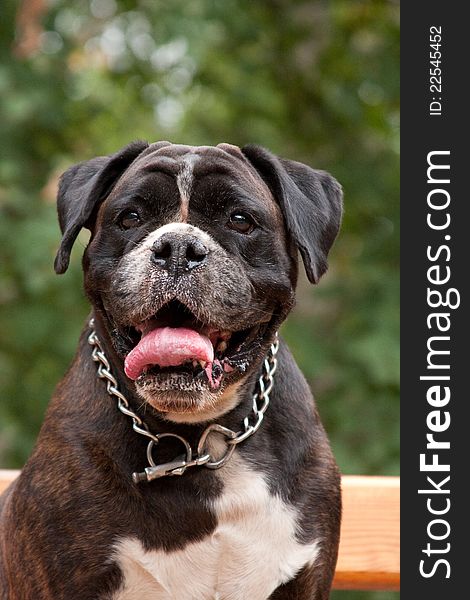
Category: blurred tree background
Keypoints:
(315, 81)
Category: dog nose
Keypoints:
(176, 253)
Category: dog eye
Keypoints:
(129, 219)
(241, 222)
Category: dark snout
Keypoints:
(178, 253)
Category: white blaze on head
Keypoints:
(184, 181)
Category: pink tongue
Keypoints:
(168, 347)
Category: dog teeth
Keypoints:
(222, 346)
(202, 363)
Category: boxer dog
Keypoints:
(155, 475)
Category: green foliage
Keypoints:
(313, 81)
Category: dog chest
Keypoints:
(251, 552)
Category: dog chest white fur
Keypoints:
(251, 552)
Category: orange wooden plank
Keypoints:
(6, 477)
(369, 552)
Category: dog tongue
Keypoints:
(168, 347)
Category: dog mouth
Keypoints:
(174, 345)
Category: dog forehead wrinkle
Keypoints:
(240, 178)
(176, 154)
(164, 164)
(190, 163)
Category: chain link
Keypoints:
(251, 423)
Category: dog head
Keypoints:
(192, 261)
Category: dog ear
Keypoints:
(311, 203)
(82, 188)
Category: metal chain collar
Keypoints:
(203, 457)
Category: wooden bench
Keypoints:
(369, 553)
